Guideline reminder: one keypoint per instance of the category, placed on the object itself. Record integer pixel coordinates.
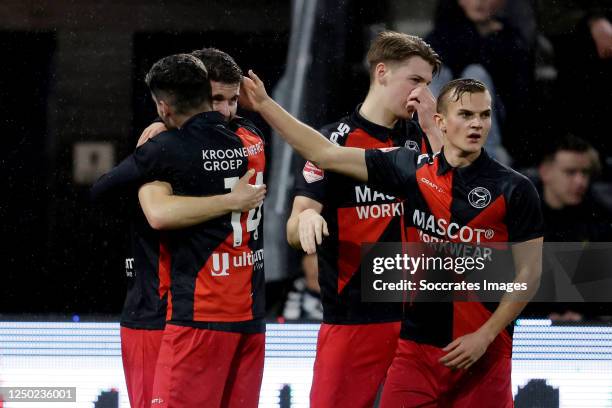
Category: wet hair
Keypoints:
(182, 80)
(391, 46)
(455, 89)
(220, 65)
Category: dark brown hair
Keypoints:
(220, 65)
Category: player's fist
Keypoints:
(245, 196)
(422, 101)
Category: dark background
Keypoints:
(73, 71)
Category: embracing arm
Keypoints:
(167, 211)
(120, 179)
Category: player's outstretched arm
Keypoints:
(306, 227)
(167, 211)
(117, 181)
(309, 143)
(126, 175)
(466, 350)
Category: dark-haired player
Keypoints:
(213, 344)
(225, 77)
(357, 340)
(449, 354)
(144, 312)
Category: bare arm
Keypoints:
(466, 350)
(306, 227)
(528, 264)
(309, 143)
(167, 211)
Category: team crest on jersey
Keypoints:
(479, 197)
(312, 173)
(412, 145)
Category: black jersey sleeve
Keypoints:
(524, 213)
(142, 166)
(392, 170)
(152, 158)
(311, 181)
(122, 178)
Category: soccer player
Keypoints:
(357, 340)
(449, 354)
(212, 349)
(144, 312)
(225, 77)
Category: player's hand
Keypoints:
(253, 93)
(245, 196)
(422, 101)
(312, 227)
(150, 132)
(466, 350)
(601, 31)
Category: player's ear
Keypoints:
(165, 110)
(440, 122)
(381, 71)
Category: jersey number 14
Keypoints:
(254, 216)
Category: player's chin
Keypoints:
(472, 147)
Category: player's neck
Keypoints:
(373, 110)
(180, 119)
(459, 158)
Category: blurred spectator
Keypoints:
(474, 42)
(571, 211)
(581, 35)
(304, 298)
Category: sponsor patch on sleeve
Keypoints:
(312, 173)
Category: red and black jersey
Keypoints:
(217, 266)
(147, 260)
(148, 273)
(483, 202)
(355, 213)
